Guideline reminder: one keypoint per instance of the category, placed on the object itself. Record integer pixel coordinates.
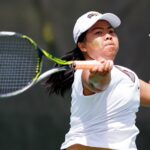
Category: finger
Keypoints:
(108, 66)
(94, 69)
(111, 64)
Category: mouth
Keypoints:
(109, 45)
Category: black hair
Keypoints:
(60, 82)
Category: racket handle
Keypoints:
(88, 64)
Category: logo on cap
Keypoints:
(92, 14)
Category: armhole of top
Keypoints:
(127, 72)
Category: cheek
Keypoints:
(117, 44)
(97, 44)
(95, 48)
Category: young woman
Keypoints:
(105, 98)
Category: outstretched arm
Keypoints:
(145, 93)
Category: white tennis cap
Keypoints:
(88, 19)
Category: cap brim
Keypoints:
(112, 19)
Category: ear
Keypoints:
(82, 46)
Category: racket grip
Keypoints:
(88, 64)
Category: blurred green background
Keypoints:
(36, 121)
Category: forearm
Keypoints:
(98, 78)
(99, 82)
(95, 82)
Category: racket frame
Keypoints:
(39, 77)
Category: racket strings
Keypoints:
(19, 63)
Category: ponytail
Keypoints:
(60, 82)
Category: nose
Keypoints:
(108, 37)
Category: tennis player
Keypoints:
(106, 98)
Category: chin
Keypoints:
(110, 57)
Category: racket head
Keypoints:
(20, 63)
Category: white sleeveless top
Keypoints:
(105, 119)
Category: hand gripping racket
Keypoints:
(21, 63)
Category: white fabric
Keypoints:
(105, 119)
(88, 19)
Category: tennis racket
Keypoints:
(21, 63)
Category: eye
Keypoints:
(98, 32)
(111, 31)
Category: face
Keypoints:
(101, 42)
